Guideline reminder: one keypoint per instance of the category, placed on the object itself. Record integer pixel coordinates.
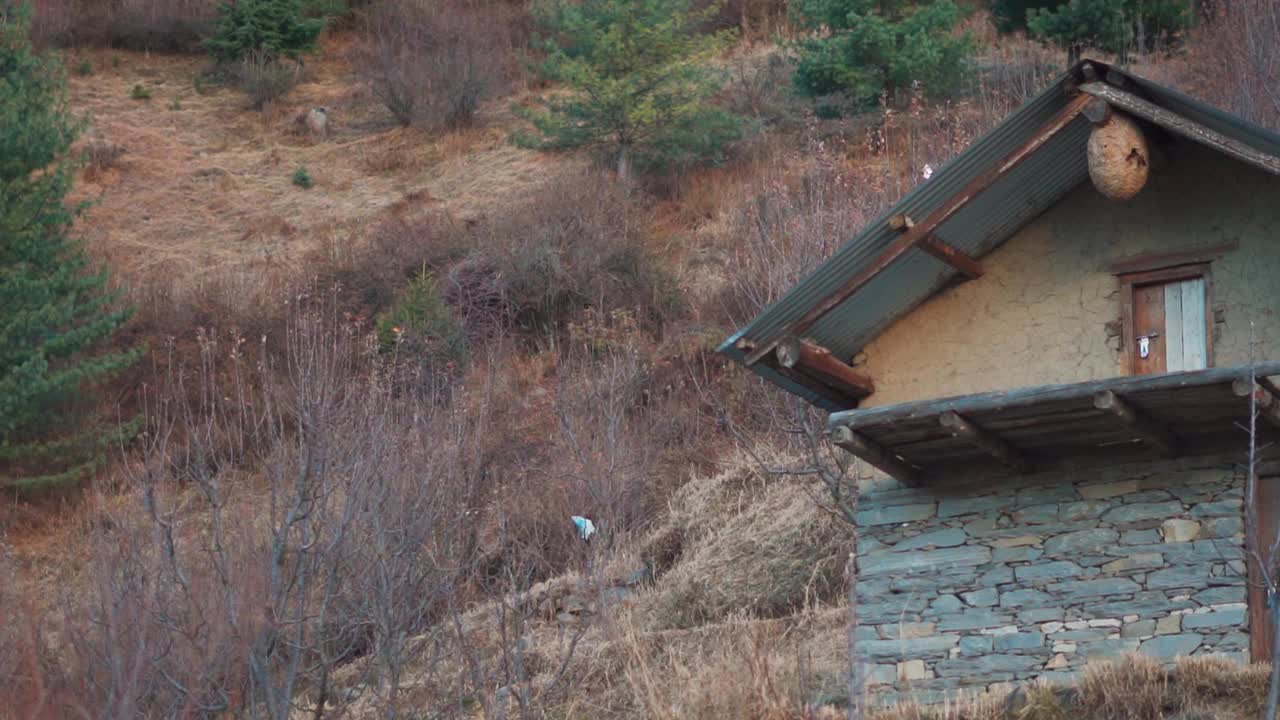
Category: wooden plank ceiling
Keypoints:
(1021, 431)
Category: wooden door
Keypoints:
(1148, 330)
(1169, 331)
(1267, 502)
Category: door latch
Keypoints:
(1144, 344)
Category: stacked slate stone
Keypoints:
(971, 588)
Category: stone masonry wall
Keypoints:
(970, 587)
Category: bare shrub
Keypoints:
(157, 25)
(1233, 61)
(52, 23)
(432, 64)
(101, 156)
(576, 244)
(289, 521)
(161, 25)
(264, 78)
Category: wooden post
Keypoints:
(1144, 427)
(987, 441)
(796, 354)
(871, 453)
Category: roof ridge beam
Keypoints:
(870, 452)
(985, 440)
(1148, 430)
(912, 237)
(1181, 125)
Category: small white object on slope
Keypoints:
(586, 528)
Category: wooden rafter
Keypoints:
(1267, 402)
(818, 362)
(952, 256)
(912, 237)
(984, 440)
(1183, 126)
(940, 250)
(869, 452)
(1148, 430)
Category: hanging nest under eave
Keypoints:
(1119, 159)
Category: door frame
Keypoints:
(1130, 281)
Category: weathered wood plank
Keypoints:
(1185, 256)
(1185, 127)
(913, 235)
(1194, 328)
(1043, 394)
(875, 456)
(1173, 358)
(1139, 424)
(988, 442)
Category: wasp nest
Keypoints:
(1118, 157)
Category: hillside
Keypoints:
(374, 398)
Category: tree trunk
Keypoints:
(624, 163)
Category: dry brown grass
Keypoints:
(203, 201)
(749, 545)
(1136, 687)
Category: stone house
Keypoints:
(1048, 351)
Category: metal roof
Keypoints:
(984, 223)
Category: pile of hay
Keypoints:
(748, 545)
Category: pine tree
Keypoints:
(1117, 26)
(639, 80)
(269, 28)
(865, 47)
(54, 309)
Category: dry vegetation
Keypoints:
(317, 515)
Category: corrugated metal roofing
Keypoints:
(1043, 178)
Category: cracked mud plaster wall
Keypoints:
(1039, 315)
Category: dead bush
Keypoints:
(101, 156)
(264, 78)
(153, 25)
(279, 521)
(575, 245)
(432, 64)
(1232, 60)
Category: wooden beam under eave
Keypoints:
(1268, 404)
(1147, 430)
(818, 362)
(917, 232)
(868, 451)
(950, 255)
(1183, 126)
(985, 440)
